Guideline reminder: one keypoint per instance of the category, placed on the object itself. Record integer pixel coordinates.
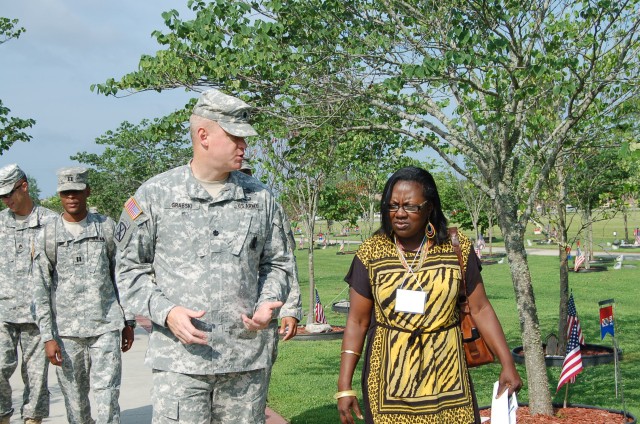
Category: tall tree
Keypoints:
(11, 127)
(468, 77)
(301, 165)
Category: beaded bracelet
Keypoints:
(344, 393)
(351, 352)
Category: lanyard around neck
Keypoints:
(423, 252)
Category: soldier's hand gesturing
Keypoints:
(262, 317)
(179, 322)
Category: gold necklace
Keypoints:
(423, 249)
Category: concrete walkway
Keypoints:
(135, 397)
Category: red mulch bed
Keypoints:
(568, 415)
(591, 350)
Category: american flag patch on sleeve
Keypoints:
(132, 208)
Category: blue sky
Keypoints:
(47, 72)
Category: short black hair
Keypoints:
(430, 192)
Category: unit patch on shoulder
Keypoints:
(132, 208)
(121, 230)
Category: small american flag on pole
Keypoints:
(319, 310)
(579, 260)
(572, 320)
(572, 364)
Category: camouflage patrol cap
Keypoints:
(231, 113)
(73, 178)
(9, 176)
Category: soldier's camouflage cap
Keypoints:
(73, 178)
(9, 176)
(231, 113)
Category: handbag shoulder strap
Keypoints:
(455, 242)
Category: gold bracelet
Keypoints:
(351, 352)
(344, 393)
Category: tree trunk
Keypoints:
(537, 380)
(625, 220)
(311, 316)
(586, 218)
(564, 279)
(592, 256)
(490, 236)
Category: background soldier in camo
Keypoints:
(77, 304)
(204, 253)
(19, 225)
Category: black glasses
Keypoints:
(408, 208)
(6, 196)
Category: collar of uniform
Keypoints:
(193, 187)
(232, 190)
(32, 221)
(90, 231)
(235, 178)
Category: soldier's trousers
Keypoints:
(232, 398)
(96, 362)
(35, 398)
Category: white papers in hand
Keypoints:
(503, 409)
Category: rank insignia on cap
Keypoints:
(132, 208)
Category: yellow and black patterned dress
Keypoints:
(414, 369)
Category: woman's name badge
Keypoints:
(410, 301)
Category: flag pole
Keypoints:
(615, 363)
(566, 394)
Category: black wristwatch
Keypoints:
(130, 323)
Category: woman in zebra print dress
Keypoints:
(404, 288)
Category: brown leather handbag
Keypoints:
(475, 348)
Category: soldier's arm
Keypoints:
(139, 295)
(112, 252)
(278, 272)
(41, 276)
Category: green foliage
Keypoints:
(134, 153)
(54, 203)
(11, 127)
(337, 203)
(8, 29)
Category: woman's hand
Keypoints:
(345, 406)
(509, 379)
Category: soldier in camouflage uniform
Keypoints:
(77, 304)
(204, 252)
(19, 226)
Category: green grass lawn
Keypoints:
(305, 374)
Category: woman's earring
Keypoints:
(431, 231)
